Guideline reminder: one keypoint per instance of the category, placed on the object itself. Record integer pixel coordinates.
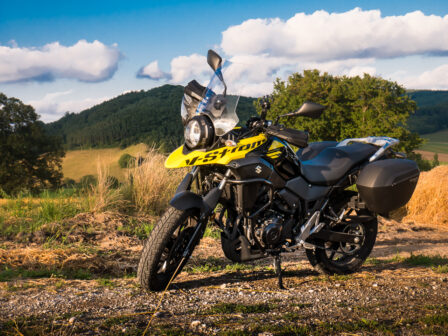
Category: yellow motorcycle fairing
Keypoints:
(221, 155)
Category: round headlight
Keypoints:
(199, 132)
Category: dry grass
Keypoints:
(152, 184)
(103, 196)
(429, 203)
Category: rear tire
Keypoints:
(163, 250)
(345, 261)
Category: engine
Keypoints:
(269, 230)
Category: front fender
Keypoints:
(188, 200)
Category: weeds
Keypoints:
(8, 274)
(232, 308)
(152, 185)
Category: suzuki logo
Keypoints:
(258, 169)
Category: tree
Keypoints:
(356, 107)
(29, 158)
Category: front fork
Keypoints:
(206, 204)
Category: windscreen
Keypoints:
(211, 101)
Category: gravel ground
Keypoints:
(389, 295)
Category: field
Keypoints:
(437, 142)
(78, 163)
(68, 266)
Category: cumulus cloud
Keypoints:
(152, 71)
(434, 79)
(349, 43)
(187, 67)
(84, 61)
(324, 36)
(53, 105)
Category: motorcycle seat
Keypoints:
(313, 149)
(330, 165)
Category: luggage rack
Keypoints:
(383, 142)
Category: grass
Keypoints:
(27, 214)
(232, 308)
(78, 163)
(213, 264)
(437, 263)
(8, 274)
(437, 142)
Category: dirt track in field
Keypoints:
(390, 295)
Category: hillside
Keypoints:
(78, 163)
(153, 116)
(432, 112)
(145, 116)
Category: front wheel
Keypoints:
(344, 258)
(162, 256)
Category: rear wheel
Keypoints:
(162, 255)
(345, 258)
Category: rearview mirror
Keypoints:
(214, 60)
(310, 110)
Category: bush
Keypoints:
(68, 182)
(126, 160)
(88, 181)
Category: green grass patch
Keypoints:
(213, 264)
(105, 283)
(232, 308)
(20, 273)
(428, 261)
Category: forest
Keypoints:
(152, 117)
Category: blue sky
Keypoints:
(49, 57)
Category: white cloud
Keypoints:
(324, 36)
(152, 71)
(435, 79)
(350, 43)
(184, 68)
(53, 105)
(84, 61)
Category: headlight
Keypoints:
(199, 132)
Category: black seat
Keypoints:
(313, 149)
(330, 165)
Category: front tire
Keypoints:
(162, 255)
(341, 258)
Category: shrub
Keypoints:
(152, 185)
(68, 182)
(126, 161)
(88, 181)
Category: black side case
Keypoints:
(387, 185)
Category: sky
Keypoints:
(67, 56)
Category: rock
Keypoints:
(195, 324)
(223, 286)
(72, 320)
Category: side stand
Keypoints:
(278, 270)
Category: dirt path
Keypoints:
(392, 294)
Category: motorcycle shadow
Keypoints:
(231, 278)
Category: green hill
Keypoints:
(436, 142)
(152, 117)
(432, 112)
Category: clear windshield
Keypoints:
(220, 108)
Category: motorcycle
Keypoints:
(267, 198)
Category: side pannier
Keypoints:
(387, 185)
